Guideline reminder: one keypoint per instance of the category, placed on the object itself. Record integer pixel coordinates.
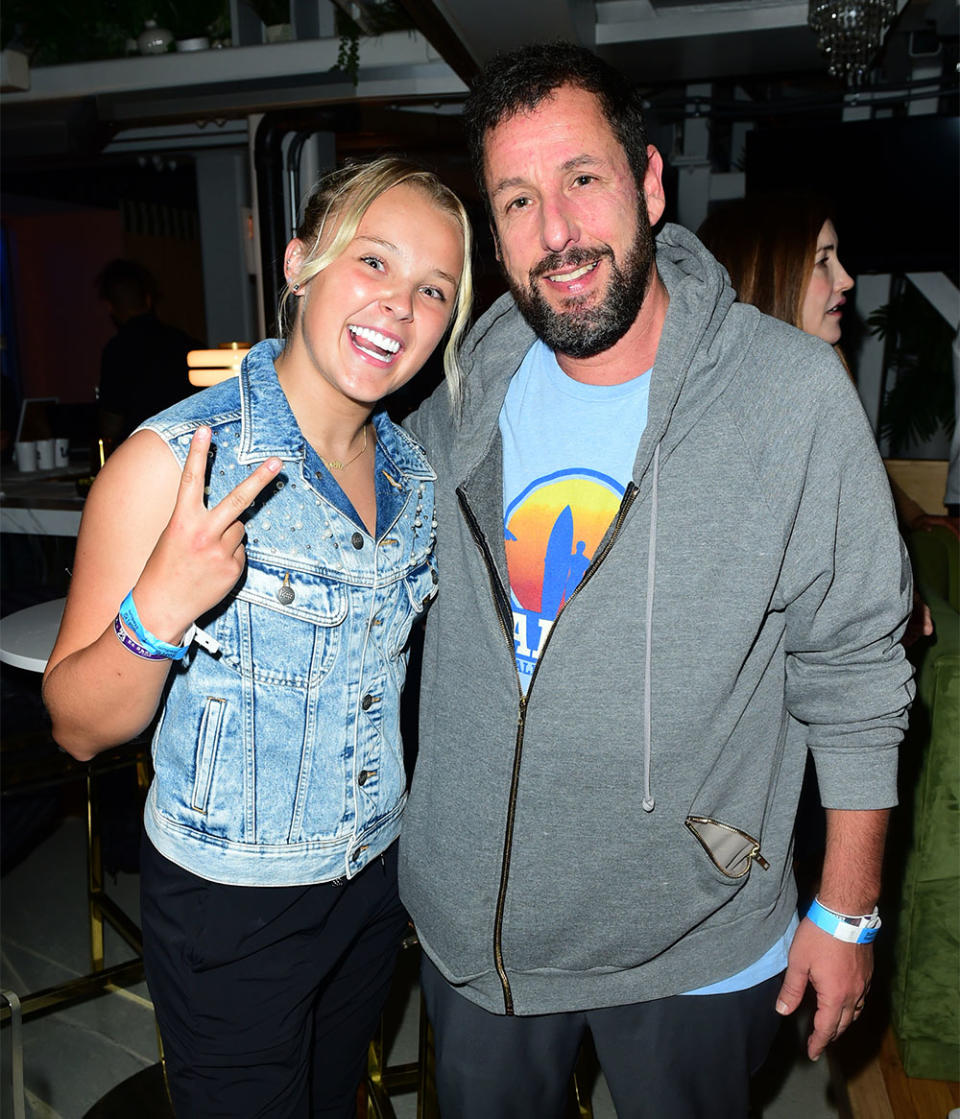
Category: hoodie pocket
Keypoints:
(731, 850)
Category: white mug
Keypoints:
(61, 452)
(25, 455)
(45, 454)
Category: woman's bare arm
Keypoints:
(144, 527)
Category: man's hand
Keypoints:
(839, 973)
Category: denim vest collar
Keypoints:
(268, 426)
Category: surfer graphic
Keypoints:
(551, 533)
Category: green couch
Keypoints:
(925, 996)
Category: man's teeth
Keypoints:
(569, 277)
(381, 341)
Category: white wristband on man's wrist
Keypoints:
(853, 930)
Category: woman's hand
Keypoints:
(200, 554)
(925, 522)
(920, 622)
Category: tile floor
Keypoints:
(73, 1057)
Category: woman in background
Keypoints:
(781, 253)
(267, 622)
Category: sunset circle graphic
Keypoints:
(552, 530)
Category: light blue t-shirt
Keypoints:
(568, 454)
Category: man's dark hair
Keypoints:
(127, 285)
(519, 80)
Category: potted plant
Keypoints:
(920, 399)
(373, 17)
(61, 31)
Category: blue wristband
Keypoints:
(131, 619)
(853, 930)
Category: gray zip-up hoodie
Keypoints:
(624, 831)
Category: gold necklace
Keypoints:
(336, 464)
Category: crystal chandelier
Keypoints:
(849, 33)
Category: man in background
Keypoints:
(144, 367)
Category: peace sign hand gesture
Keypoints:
(200, 554)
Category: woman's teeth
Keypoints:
(385, 347)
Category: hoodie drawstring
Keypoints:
(648, 801)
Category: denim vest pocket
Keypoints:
(207, 742)
(283, 625)
(421, 586)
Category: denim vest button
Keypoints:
(362, 777)
(357, 541)
(434, 577)
(367, 702)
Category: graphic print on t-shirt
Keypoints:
(551, 531)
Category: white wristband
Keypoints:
(853, 930)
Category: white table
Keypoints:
(27, 637)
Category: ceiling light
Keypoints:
(849, 33)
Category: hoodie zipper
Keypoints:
(503, 614)
(505, 617)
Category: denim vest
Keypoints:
(277, 756)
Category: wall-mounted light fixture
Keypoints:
(210, 367)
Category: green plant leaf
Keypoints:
(920, 399)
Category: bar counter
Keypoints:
(41, 502)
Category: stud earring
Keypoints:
(296, 287)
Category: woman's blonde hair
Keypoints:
(338, 203)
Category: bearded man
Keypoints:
(669, 568)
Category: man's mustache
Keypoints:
(572, 258)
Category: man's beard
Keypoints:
(580, 331)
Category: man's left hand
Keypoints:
(839, 973)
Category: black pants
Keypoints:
(686, 1057)
(267, 997)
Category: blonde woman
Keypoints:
(250, 564)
